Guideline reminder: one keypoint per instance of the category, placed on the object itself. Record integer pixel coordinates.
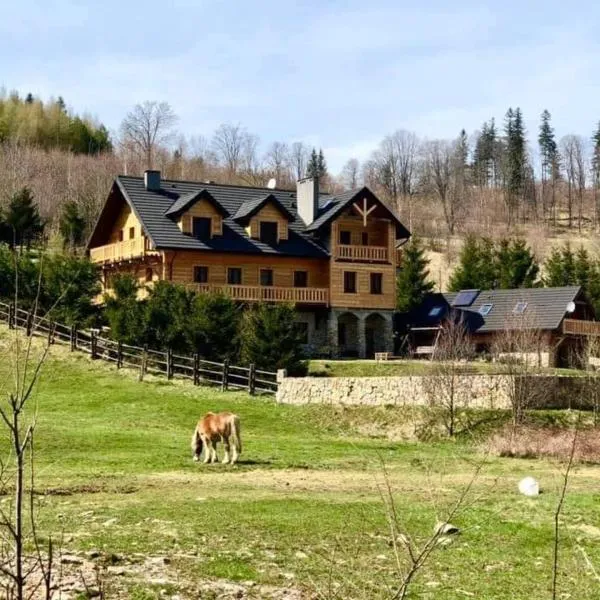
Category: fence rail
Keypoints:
(144, 359)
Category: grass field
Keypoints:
(302, 514)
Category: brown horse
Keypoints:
(213, 428)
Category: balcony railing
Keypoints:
(577, 327)
(368, 253)
(255, 293)
(119, 251)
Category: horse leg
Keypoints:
(213, 446)
(226, 445)
(206, 451)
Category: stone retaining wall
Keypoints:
(476, 391)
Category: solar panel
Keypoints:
(465, 297)
(484, 309)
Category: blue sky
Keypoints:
(335, 74)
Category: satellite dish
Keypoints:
(571, 307)
(272, 183)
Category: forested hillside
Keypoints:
(498, 181)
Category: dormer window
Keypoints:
(268, 232)
(201, 228)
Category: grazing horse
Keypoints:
(213, 428)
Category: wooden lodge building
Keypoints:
(334, 257)
(562, 317)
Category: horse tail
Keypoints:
(197, 443)
(235, 433)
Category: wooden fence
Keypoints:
(145, 360)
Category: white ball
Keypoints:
(529, 487)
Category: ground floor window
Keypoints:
(149, 273)
(300, 279)
(266, 277)
(302, 332)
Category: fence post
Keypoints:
(11, 316)
(73, 338)
(252, 379)
(119, 355)
(143, 361)
(196, 369)
(28, 323)
(51, 330)
(93, 342)
(169, 363)
(225, 381)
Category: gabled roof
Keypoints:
(155, 209)
(186, 201)
(250, 207)
(545, 309)
(331, 207)
(150, 207)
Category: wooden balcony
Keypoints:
(362, 253)
(120, 251)
(255, 293)
(578, 327)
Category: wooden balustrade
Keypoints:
(578, 327)
(254, 293)
(119, 251)
(369, 253)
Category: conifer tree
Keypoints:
(23, 218)
(549, 157)
(317, 167)
(412, 282)
(596, 171)
(476, 265)
(516, 265)
(515, 163)
(72, 225)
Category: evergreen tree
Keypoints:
(596, 171)
(516, 160)
(476, 268)
(317, 167)
(412, 282)
(486, 156)
(270, 338)
(61, 105)
(549, 156)
(29, 98)
(23, 218)
(124, 313)
(516, 265)
(72, 225)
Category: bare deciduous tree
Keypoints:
(574, 156)
(229, 144)
(350, 174)
(278, 160)
(148, 127)
(300, 154)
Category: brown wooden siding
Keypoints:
(181, 268)
(124, 222)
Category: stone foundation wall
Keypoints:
(475, 391)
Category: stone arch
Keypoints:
(376, 334)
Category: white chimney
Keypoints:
(152, 180)
(307, 198)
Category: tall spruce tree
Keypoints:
(476, 265)
(317, 166)
(549, 159)
(596, 172)
(23, 218)
(516, 265)
(412, 282)
(72, 225)
(515, 161)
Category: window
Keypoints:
(201, 227)
(121, 236)
(149, 274)
(364, 238)
(435, 311)
(200, 274)
(131, 233)
(268, 232)
(266, 277)
(300, 279)
(302, 332)
(376, 283)
(349, 282)
(484, 309)
(234, 276)
(345, 238)
(465, 297)
(519, 308)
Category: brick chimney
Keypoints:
(307, 198)
(152, 180)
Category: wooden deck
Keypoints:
(366, 253)
(255, 293)
(119, 251)
(578, 327)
